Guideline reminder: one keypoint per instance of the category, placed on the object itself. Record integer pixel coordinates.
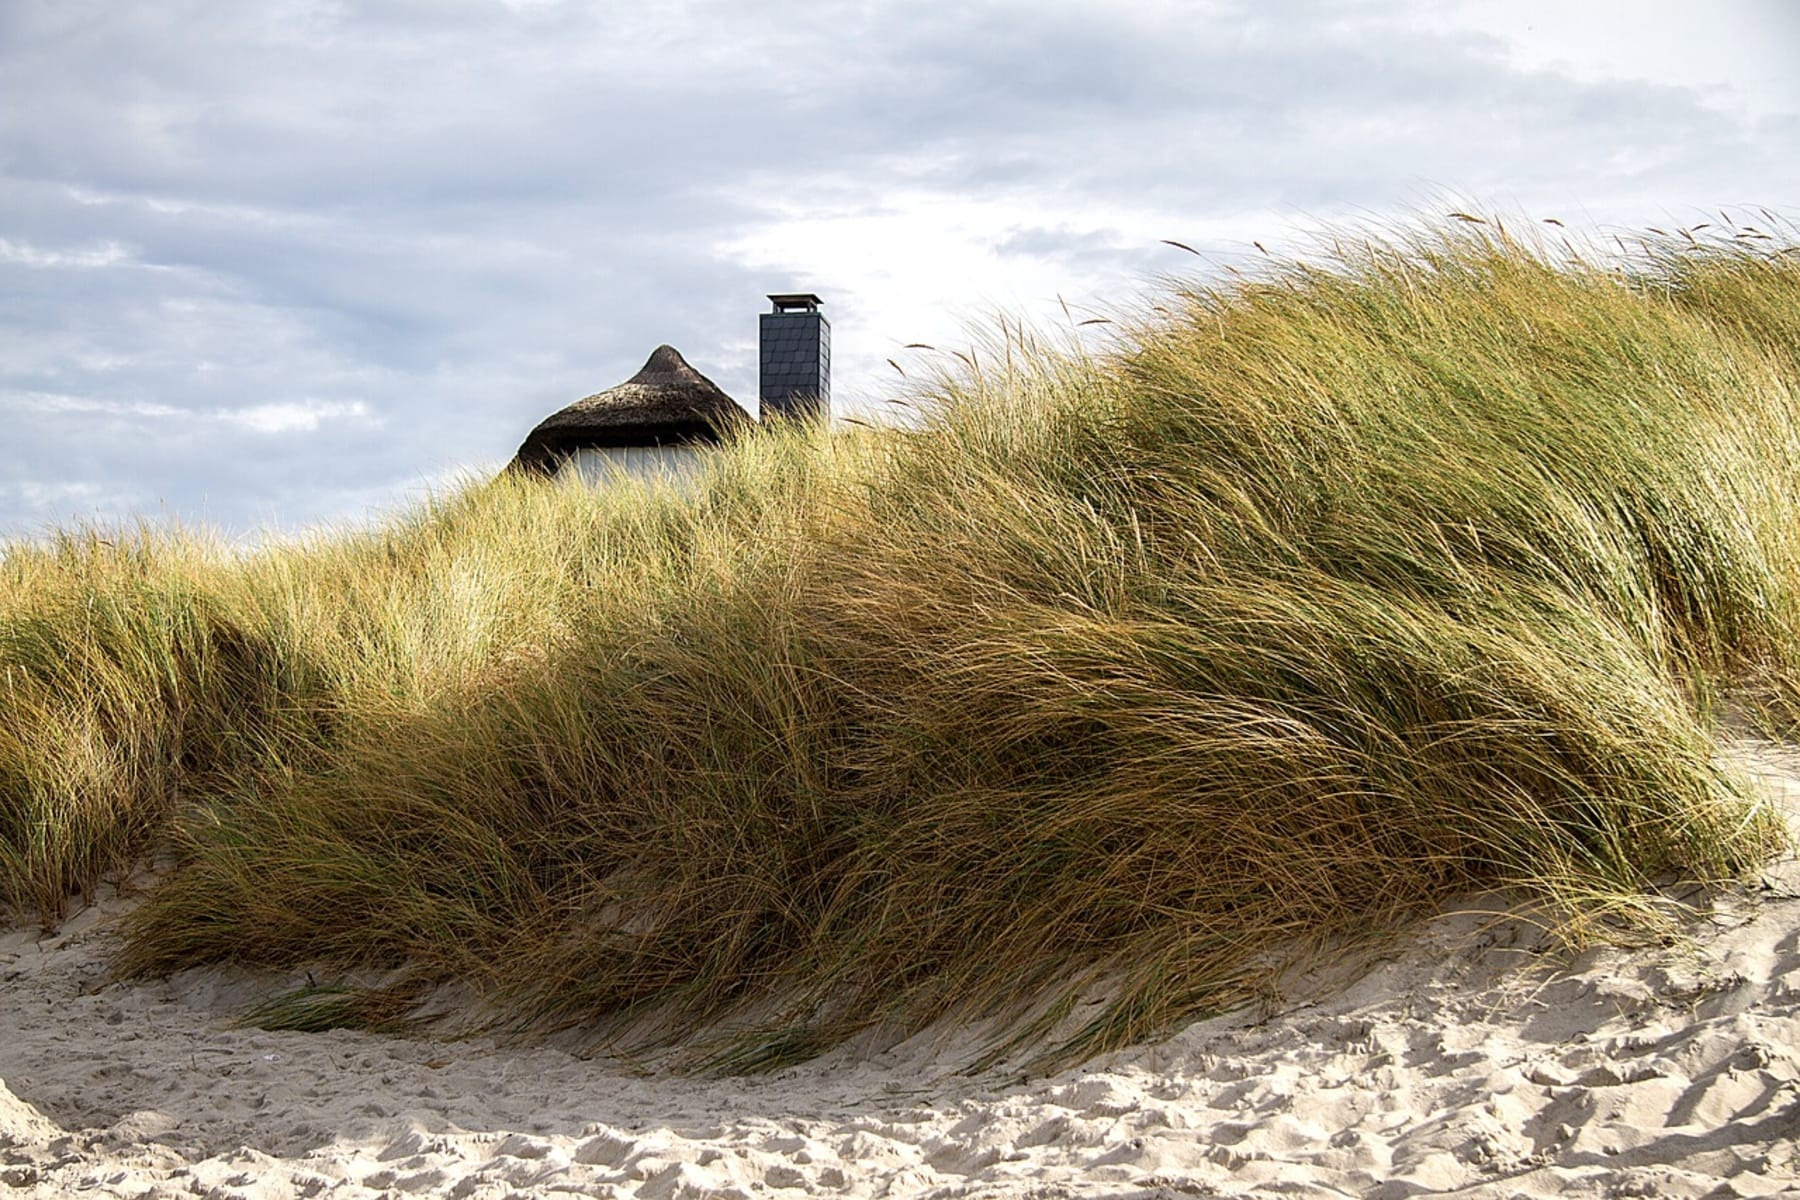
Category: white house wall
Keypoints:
(648, 464)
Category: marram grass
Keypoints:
(1321, 598)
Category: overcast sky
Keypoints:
(279, 263)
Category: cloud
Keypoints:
(294, 258)
(304, 417)
(25, 254)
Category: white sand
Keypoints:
(1466, 1061)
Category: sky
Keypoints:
(270, 267)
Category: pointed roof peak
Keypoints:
(664, 358)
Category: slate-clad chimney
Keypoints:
(796, 359)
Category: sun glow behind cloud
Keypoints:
(938, 267)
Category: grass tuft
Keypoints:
(1319, 598)
(318, 1008)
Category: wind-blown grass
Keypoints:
(1324, 597)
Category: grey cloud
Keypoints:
(456, 217)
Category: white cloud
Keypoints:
(48, 495)
(1731, 53)
(51, 402)
(21, 253)
(303, 417)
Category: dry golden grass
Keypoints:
(1328, 595)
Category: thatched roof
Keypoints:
(668, 403)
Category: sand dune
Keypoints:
(1468, 1060)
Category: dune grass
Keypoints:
(1321, 598)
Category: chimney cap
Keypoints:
(792, 301)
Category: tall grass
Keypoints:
(1325, 596)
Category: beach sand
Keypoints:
(1466, 1057)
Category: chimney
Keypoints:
(795, 376)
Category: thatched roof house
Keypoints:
(666, 407)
